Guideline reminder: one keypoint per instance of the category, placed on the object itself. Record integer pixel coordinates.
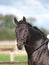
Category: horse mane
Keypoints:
(37, 29)
(42, 33)
(30, 25)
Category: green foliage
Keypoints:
(7, 27)
(7, 31)
(7, 21)
(7, 34)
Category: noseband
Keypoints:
(39, 46)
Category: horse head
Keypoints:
(21, 32)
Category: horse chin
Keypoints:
(20, 47)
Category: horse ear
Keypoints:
(15, 20)
(24, 19)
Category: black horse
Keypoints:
(35, 42)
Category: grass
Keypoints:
(21, 58)
(4, 57)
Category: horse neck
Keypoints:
(33, 35)
(33, 40)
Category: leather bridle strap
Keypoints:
(39, 46)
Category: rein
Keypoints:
(39, 46)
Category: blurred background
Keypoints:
(35, 11)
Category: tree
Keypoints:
(7, 21)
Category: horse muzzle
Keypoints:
(20, 45)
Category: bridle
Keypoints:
(39, 46)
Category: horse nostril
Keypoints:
(20, 41)
(19, 46)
